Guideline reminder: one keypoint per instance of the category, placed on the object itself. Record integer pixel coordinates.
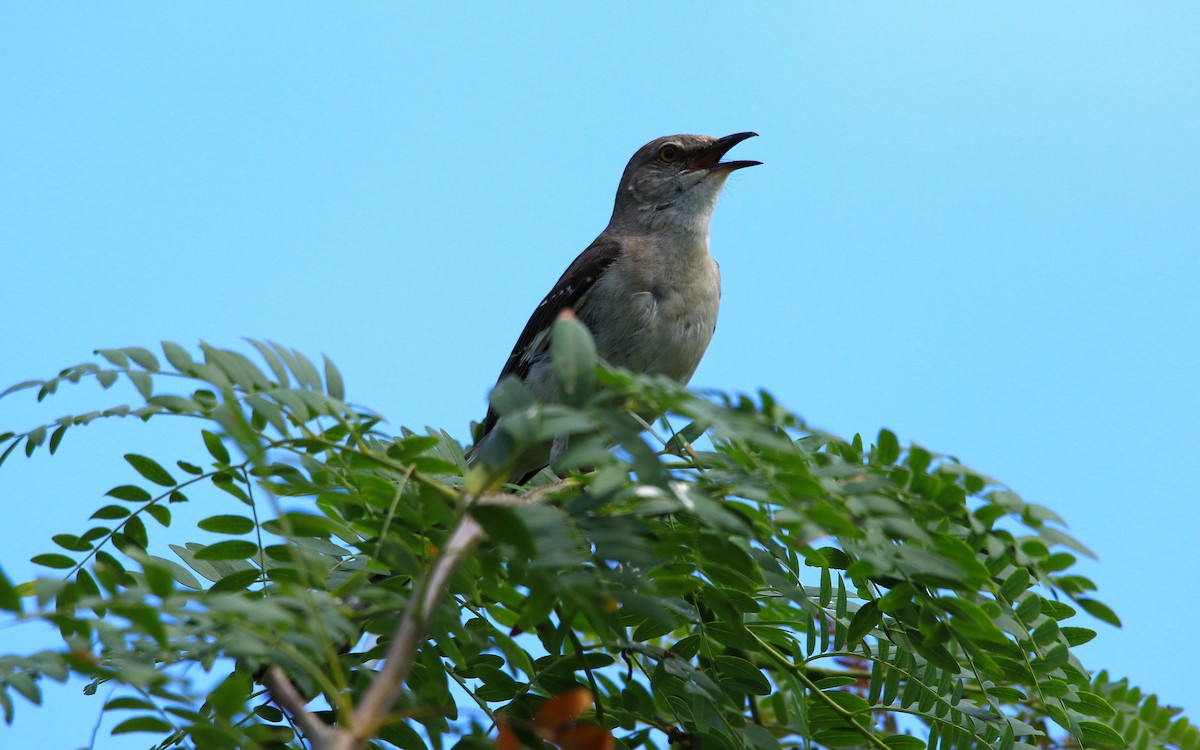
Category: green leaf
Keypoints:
(1093, 732)
(268, 412)
(1090, 704)
(510, 395)
(116, 356)
(1055, 657)
(56, 438)
(150, 469)
(10, 600)
(142, 382)
(836, 681)
(176, 404)
(839, 738)
(1057, 610)
(226, 483)
(240, 580)
(135, 530)
(574, 357)
(204, 568)
(60, 562)
(1029, 608)
(159, 578)
(227, 524)
(1077, 636)
(741, 674)
(505, 525)
(865, 619)
(25, 684)
(296, 524)
(733, 634)
(94, 533)
(234, 549)
(273, 361)
(759, 737)
(827, 557)
(142, 724)
(179, 357)
(1016, 584)
(33, 439)
(143, 358)
(236, 367)
(1057, 536)
(403, 736)
(129, 492)
(1057, 562)
(215, 447)
(334, 385)
(3, 457)
(887, 447)
(306, 375)
(1054, 688)
(268, 713)
(928, 565)
(181, 574)
(70, 542)
(160, 513)
(962, 555)
(1100, 611)
(128, 704)
(898, 598)
(229, 698)
(22, 386)
(970, 616)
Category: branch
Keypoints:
(386, 686)
(284, 693)
(372, 711)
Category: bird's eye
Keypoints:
(668, 154)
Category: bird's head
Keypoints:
(675, 181)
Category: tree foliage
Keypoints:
(783, 587)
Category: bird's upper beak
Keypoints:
(710, 158)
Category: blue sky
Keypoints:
(975, 225)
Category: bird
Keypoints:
(647, 288)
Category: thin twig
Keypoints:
(802, 675)
(284, 693)
(424, 479)
(575, 643)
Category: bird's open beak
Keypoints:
(710, 158)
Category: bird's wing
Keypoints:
(569, 291)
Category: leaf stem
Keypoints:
(422, 478)
(575, 643)
(801, 674)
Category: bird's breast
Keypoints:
(662, 319)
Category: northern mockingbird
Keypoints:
(646, 288)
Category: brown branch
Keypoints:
(284, 693)
(385, 688)
(372, 711)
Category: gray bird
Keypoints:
(646, 288)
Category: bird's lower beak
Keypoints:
(710, 158)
